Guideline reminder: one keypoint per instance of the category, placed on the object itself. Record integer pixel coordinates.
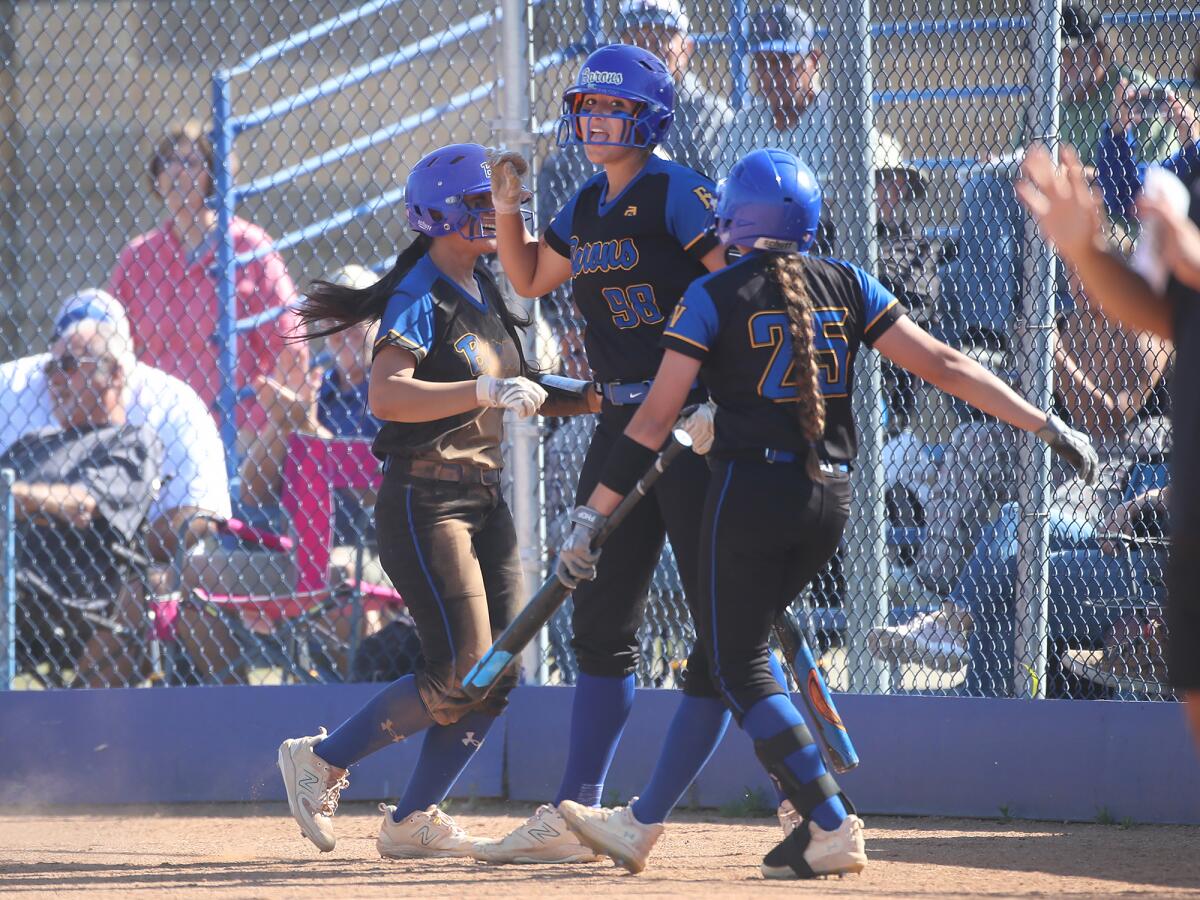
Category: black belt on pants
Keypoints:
(438, 471)
(771, 455)
(631, 393)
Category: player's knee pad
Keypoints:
(805, 796)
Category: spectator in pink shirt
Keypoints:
(165, 279)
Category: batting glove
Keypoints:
(1073, 446)
(699, 426)
(519, 394)
(508, 167)
(576, 558)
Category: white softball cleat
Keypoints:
(812, 852)
(314, 788)
(789, 819)
(428, 833)
(613, 832)
(543, 838)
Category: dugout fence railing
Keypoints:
(328, 119)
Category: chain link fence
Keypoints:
(202, 162)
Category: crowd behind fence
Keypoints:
(188, 491)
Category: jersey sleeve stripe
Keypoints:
(694, 241)
(395, 337)
(686, 340)
(883, 313)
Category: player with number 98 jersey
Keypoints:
(737, 325)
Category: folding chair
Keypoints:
(279, 627)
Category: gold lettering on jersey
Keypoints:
(630, 211)
(706, 197)
(603, 256)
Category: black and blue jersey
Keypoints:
(454, 338)
(632, 256)
(736, 323)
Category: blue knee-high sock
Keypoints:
(777, 671)
(767, 718)
(695, 732)
(598, 718)
(445, 752)
(393, 714)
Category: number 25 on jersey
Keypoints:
(772, 330)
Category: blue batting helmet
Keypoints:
(770, 201)
(439, 185)
(621, 70)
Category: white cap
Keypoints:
(652, 14)
(92, 304)
(354, 276)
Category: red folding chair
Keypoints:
(279, 626)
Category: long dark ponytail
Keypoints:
(345, 306)
(788, 272)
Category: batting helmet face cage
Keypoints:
(449, 191)
(631, 73)
(770, 201)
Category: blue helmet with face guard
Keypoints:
(634, 74)
(440, 189)
(770, 201)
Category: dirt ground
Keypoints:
(256, 851)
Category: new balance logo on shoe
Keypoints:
(309, 781)
(543, 832)
(425, 836)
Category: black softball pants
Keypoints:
(450, 550)
(609, 610)
(767, 531)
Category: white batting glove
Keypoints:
(1073, 446)
(519, 394)
(699, 426)
(508, 168)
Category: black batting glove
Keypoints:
(1073, 446)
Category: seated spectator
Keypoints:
(1120, 166)
(83, 484)
(193, 466)
(165, 280)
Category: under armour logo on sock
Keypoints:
(388, 727)
(469, 741)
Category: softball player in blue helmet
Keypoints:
(447, 365)
(630, 241)
(774, 336)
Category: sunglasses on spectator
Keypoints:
(69, 363)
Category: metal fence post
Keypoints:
(8, 616)
(226, 273)
(1032, 602)
(516, 61)
(851, 191)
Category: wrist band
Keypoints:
(626, 465)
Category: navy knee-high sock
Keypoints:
(445, 752)
(772, 715)
(598, 716)
(393, 714)
(695, 732)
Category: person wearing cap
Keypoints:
(194, 457)
(702, 118)
(1092, 84)
(83, 484)
(790, 109)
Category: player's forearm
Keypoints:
(518, 251)
(403, 399)
(1122, 293)
(67, 502)
(968, 380)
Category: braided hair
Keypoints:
(787, 270)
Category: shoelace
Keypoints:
(332, 795)
(441, 818)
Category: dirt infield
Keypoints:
(245, 851)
